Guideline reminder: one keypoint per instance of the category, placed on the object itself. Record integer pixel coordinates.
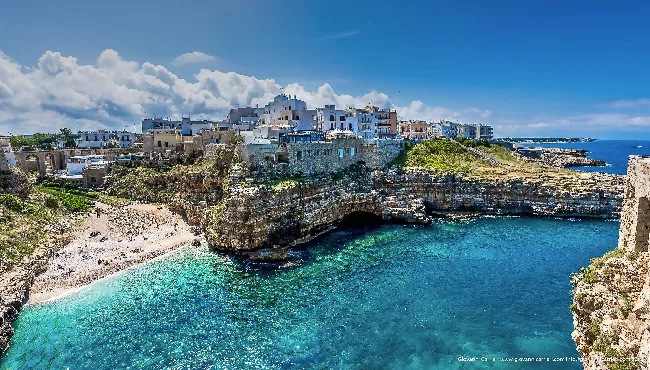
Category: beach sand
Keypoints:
(119, 238)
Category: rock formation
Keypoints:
(611, 303)
(564, 158)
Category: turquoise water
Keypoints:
(614, 152)
(392, 297)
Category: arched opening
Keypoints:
(32, 165)
(642, 225)
(361, 219)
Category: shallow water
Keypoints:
(393, 297)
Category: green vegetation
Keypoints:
(162, 184)
(626, 310)
(44, 141)
(23, 221)
(441, 155)
(284, 184)
(589, 274)
(472, 143)
(235, 138)
(594, 328)
(400, 160)
(71, 201)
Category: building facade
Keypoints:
(102, 139)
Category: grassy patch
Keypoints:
(441, 155)
(71, 201)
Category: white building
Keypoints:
(5, 147)
(329, 118)
(76, 164)
(363, 123)
(105, 139)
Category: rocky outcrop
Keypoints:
(14, 181)
(564, 158)
(611, 297)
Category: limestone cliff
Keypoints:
(262, 216)
(611, 303)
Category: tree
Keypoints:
(68, 137)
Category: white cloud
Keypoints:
(192, 58)
(631, 103)
(339, 35)
(115, 93)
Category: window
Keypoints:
(342, 118)
(331, 117)
(87, 139)
(93, 179)
(166, 144)
(341, 152)
(298, 117)
(159, 144)
(299, 155)
(351, 152)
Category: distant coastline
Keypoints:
(547, 140)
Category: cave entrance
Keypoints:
(642, 225)
(361, 219)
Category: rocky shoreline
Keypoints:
(565, 158)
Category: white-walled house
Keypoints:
(329, 118)
(103, 139)
(76, 164)
(363, 123)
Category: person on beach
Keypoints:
(98, 212)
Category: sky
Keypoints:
(529, 68)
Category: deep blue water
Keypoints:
(392, 297)
(614, 152)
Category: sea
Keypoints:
(490, 292)
(614, 152)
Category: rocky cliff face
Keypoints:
(261, 220)
(611, 302)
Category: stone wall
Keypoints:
(315, 158)
(635, 218)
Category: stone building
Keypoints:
(94, 175)
(314, 157)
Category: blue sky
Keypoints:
(541, 68)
